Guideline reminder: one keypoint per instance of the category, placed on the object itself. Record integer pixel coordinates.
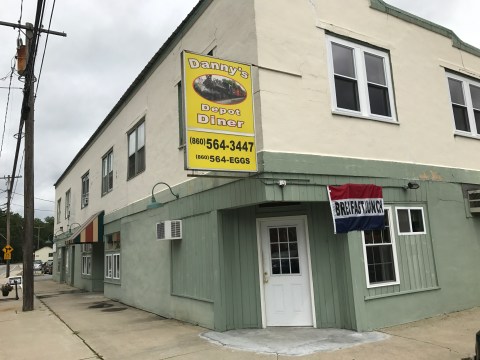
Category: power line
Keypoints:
(34, 209)
(6, 110)
(45, 48)
(37, 198)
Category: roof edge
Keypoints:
(382, 6)
(184, 26)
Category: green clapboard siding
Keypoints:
(192, 259)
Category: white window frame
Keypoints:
(68, 199)
(112, 266)
(408, 208)
(108, 266)
(133, 140)
(87, 247)
(116, 266)
(107, 171)
(394, 253)
(361, 76)
(59, 211)
(86, 264)
(466, 82)
(85, 189)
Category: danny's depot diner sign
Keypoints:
(220, 129)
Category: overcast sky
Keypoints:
(108, 43)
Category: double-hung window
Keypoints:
(380, 255)
(361, 80)
(87, 264)
(112, 266)
(465, 98)
(112, 257)
(107, 172)
(86, 259)
(108, 266)
(59, 210)
(85, 189)
(67, 203)
(136, 150)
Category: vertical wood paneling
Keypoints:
(241, 284)
(192, 261)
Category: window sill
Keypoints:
(382, 284)
(360, 116)
(401, 293)
(112, 281)
(466, 135)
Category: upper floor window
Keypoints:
(136, 150)
(465, 98)
(67, 204)
(361, 81)
(107, 172)
(85, 189)
(59, 210)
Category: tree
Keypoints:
(17, 234)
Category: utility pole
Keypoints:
(38, 236)
(28, 191)
(9, 196)
(27, 118)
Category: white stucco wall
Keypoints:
(227, 26)
(296, 108)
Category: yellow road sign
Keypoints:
(7, 256)
(7, 249)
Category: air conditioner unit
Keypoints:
(474, 201)
(169, 230)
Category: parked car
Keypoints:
(48, 267)
(37, 265)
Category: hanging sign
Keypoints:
(356, 207)
(218, 101)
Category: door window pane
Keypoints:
(284, 250)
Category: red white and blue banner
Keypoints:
(356, 207)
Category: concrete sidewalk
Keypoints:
(70, 324)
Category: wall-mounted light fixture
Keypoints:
(70, 227)
(153, 204)
(411, 186)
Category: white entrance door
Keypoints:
(286, 273)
